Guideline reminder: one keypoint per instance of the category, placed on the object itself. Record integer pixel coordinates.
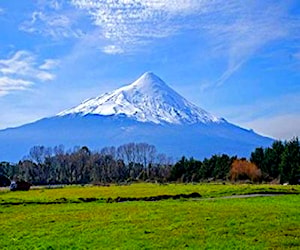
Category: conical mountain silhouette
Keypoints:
(147, 110)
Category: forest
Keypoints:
(132, 162)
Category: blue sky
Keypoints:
(237, 59)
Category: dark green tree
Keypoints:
(258, 158)
(222, 167)
(290, 162)
(179, 169)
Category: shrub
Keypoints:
(244, 170)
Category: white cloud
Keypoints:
(22, 70)
(56, 26)
(9, 84)
(297, 55)
(49, 64)
(280, 127)
(54, 4)
(252, 28)
(53, 19)
(275, 117)
(127, 23)
(112, 49)
(236, 30)
(266, 107)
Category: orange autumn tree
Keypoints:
(244, 170)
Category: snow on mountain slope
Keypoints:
(148, 99)
(144, 111)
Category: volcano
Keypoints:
(147, 110)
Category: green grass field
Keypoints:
(246, 223)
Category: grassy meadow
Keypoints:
(242, 223)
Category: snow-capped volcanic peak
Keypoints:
(148, 99)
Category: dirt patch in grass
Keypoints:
(155, 198)
(108, 200)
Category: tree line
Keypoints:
(280, 161)
(46, 165)
(141, 162)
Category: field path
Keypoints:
(240, 196)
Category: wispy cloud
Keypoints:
(277, 117)
(267, 107)
(253, 27)
(22, 70)
(236, 30)
(112, 49)
(297, 56)
(49, 64)
(53, 19)
(128, 23)
(8, 84)
(282, 127)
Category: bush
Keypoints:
(244, 170)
